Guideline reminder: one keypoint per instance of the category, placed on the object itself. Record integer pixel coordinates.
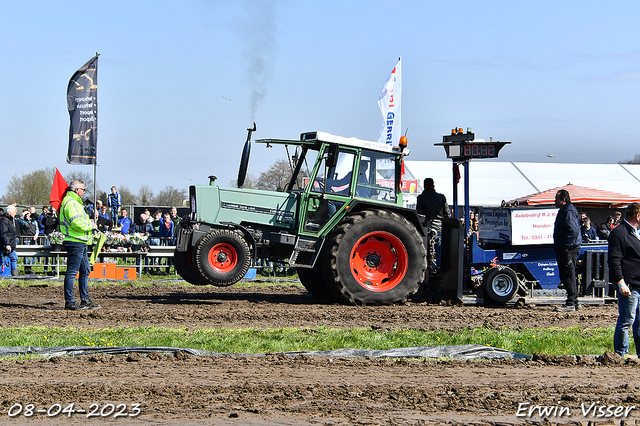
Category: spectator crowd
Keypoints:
(30, 228)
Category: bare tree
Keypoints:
(86, 177)
(276, 177)
(102, 196)
(128, 197)
(170, 196)
(249, 182)
(145, 195)
(31, 189)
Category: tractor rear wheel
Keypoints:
(223, 257)
(183, 264)
(375, 258)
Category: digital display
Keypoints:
(469, 150)
(463, 146)
(479, 151)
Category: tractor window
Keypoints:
(304, 161)
(335, 179)
(377, 176)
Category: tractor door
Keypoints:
(328, 190)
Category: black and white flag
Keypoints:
(82, 103)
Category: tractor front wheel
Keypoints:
(183, 264)
(223, 257)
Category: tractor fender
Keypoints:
(204, 229)
(245, 232)
(409, 214)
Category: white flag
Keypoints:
(389, 103)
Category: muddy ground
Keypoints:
(300, 390)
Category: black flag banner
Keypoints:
(82, 103)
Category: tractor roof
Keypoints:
(317, 138)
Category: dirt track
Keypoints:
(280, 389)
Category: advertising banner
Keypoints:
(533, 226)
(494, 226)
(516, 227)
(82, 103)
(389, 103)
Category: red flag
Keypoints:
(456, 172)
(58, 190)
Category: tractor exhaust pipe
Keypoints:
(244, 161)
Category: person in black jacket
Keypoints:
(566, 242)
(605, 228)
(29, 233)
(8, 236)
(50, 224)
(433, 205)
(624, 271)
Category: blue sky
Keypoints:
(180, 82)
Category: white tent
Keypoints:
(490, 182)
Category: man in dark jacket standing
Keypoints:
(624, 270)
(8, 235)
(433, 205)
(566, 242)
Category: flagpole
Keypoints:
(94, 191)
(95, 163)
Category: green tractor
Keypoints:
(339, 222)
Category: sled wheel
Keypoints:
(375, 258)
(183, 265)
(223, 257)
(500, 285)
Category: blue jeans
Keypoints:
(29, 260)
(13, 257)
(77, 261)
(628, 316)
(114, 214)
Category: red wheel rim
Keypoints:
(223, 257)
(379, 261)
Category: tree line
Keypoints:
(34, 188)
(275, 178)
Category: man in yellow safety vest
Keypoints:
(78, 231)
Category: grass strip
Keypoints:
(554, 341)
(149, 281)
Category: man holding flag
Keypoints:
(78, 231)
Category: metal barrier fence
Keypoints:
(158, 258)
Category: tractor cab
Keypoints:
(332, 174)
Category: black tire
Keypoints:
(313, 281)
(223, 257)
(499, 285)
(375, 258)
(183, 264)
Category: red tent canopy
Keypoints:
(580, 196)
